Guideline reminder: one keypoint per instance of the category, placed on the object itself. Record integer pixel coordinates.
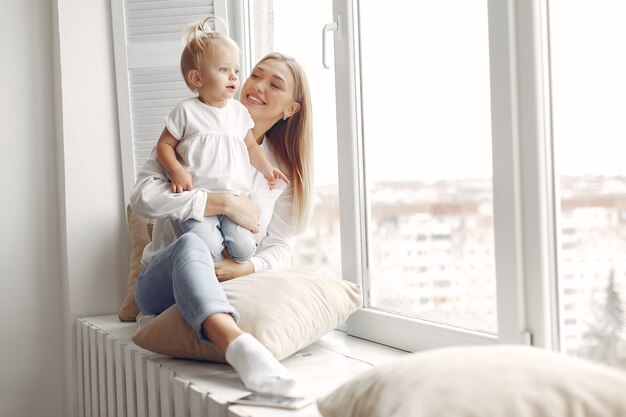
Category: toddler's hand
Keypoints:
(181, 181)
(273, 175)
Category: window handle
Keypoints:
(329, 27)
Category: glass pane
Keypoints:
(276, 25)
(427, 145)
(588, 90)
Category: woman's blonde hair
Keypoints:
(200, 41)
(291, 142)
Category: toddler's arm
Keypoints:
(260, 162)
(166, 153)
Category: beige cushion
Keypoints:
(487, 381)
(138, 231)
(286, 310)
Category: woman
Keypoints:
(179, 268)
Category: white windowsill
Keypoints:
(320, 368)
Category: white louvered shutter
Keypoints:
(147, 37)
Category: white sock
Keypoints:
(142, 321)
(257, 368)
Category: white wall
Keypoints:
(64, 247)
(31, 292)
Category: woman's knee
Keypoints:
(191, 264)
(211, 237)
(189, 241)
(190, 245)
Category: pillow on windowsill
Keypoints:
(482, 381)
(139, 238)
(286, 310)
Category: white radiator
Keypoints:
(118, 379)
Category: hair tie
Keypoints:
(206, 29)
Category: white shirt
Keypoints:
(211, 144)
(152, 198)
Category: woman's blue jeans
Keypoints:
(183, 274)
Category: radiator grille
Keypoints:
(116, 378)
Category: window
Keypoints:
(588, 90)
(428, 131)
(426, 106)
(555, 205)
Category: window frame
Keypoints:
(524, 192)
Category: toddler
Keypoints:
(208, 142)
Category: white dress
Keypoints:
(211, 144)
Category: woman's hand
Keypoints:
(237, 208)
(229, 269)
(244, 212)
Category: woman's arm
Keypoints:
(237, 208)
(152, 198)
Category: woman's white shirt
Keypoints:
(152, 198)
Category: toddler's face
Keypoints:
(219, 75)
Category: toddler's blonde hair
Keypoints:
(201, 41)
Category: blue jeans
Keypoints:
(184, 274)
(220, 231)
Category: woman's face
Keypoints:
(268, 93)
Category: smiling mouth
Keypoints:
(254, 99)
